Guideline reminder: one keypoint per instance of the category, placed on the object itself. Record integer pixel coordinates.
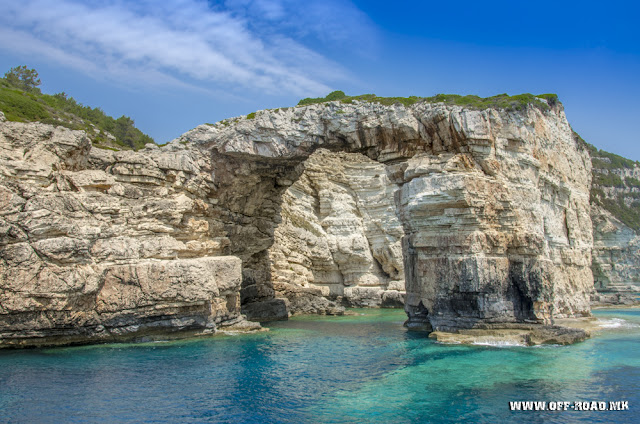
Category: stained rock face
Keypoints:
(467, 217)
(500, 231)
(616, 258)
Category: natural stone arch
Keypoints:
(481, 204)
(338, 239)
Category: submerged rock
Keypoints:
(519, 335)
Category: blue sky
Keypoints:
(173, 65)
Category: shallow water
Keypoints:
(354, 369)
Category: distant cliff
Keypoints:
(471, 216)
(615, 199)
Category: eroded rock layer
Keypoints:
(98, 245)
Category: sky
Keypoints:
(174, 64)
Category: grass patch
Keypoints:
(113, 149)
(21, 106)
(252, 115)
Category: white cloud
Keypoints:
(336, 22)
(171, 42)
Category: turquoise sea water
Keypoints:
(353, 369)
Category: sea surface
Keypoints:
(364, 368)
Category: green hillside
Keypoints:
(28, 104)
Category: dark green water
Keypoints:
(354, 369)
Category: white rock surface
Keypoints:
(616, 249)
(494, 204)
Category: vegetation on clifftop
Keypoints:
(22, 101)
(501, 101)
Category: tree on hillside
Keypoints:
(126, 133)
(23, 78)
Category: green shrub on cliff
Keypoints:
(632, 182)
(31, 105)
(605, 160)
(628, 214)
(501, 101)
(334, 95)
(608, 180)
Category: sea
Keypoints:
(361, 368)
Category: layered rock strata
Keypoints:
(480, 216)
(97, 245)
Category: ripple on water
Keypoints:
(616, 323)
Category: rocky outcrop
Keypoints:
(616, 254)
(468, 217)
(517, 335)
(99, 245)
(499, 232)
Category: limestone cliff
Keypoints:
(340, 233)
(481, 217)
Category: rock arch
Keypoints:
(493, 204)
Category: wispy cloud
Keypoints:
(254, 44)
(335, 22)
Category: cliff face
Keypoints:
(482, 217)
(340, 234)
(615, 213)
